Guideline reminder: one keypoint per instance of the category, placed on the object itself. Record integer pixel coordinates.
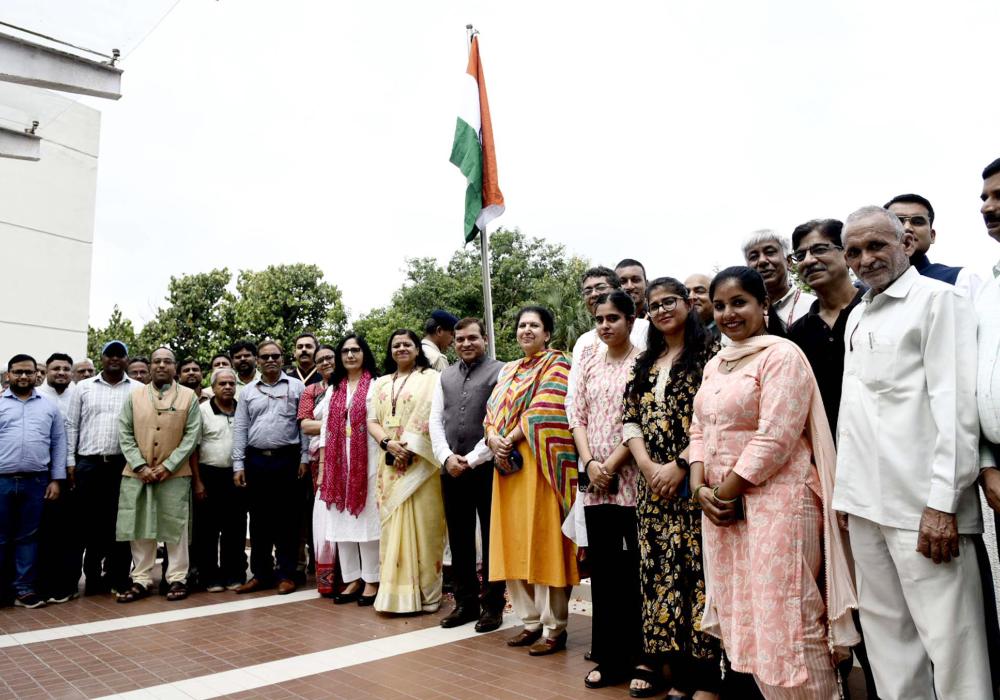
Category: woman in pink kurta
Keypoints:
(760, 437)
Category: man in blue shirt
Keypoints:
(32, 464)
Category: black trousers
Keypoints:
(613, 552)
(464, 496)
(273, 500)
(95, 512)
(58, 555)
(220, 529)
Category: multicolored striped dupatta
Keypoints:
(532, 392)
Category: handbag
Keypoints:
(512, 465)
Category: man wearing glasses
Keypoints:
(267, 452)
(917, 216)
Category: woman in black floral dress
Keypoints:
(658, 405)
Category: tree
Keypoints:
(524, 271)
(284, 300)
(118, 328)
(199, 319)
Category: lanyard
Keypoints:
(394, 393)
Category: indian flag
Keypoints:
(473, 151)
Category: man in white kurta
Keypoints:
(907, 461)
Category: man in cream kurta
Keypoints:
(907, 459)
(159, 428)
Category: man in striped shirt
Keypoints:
(94, 464)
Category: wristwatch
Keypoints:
(683, 464)
(139, 468)
(384, 444)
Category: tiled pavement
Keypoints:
(298, 646)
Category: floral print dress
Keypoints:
(673, 583)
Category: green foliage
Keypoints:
(118, 328)
(204, 317)
(524, 271)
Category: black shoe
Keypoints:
(342, 598)
(366, 600)
(29, 600)
(489, 621)
(462, 614)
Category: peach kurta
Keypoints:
(758, 591)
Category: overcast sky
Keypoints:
(253, 132)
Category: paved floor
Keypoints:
(268, 646)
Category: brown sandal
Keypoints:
(136, 592)
(178, 591)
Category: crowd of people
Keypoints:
(761, 477)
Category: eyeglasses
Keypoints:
(266, 357)
(915, 220)
(23, 372)
(815, 250)
(668, 304)
(324, 359)
(596, 289)
(351, 351)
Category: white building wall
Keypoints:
(46, 238)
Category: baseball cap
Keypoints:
(112, 343)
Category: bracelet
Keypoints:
(715, 492)
(585, 466)
(696, 489)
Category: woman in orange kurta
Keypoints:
(778, 585)
(528, 431)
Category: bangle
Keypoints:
(715, 492)
(585, 466)
(696, 489)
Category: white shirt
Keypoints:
(793, 306)
(216, 447)
(988, 379)
(479, 454)
(61, 400)
(968, 283)
(437, 359)
(92, 419)
(638, 336)
(908, 430)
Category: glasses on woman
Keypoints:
(816, 251)
(668, 304)
(351, 351)
(323, 359)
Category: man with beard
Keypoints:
(917, 216)
(767, 252)
(244, 354)
(304, 368)
(906, 459)
(95, 464)
(32, 465)
(698, 285)
(158, 429)
(84, 369)
(189, 375)
(267, 454)
(58, 386)
(632, 275)
(58, 573)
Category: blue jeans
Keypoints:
(21, 499)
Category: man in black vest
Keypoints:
(456, 427)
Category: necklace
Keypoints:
(396, 394)
(608, 360)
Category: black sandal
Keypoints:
(178, 591)
(654, 679)
(607, 678)
(136, 592)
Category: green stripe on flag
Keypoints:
(467, 155)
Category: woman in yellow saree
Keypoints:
(528, 431)
(408, 487)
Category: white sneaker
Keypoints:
(217, 588)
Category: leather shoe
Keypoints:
(286, 586)
(525, 638)
(489, 621)
(367, 600)
(462, 614)
(254, 584)
(341, 598)
(549, 645)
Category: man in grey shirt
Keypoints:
(267, 455)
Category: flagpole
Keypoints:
(484, 249)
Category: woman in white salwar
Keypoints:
(345, 514)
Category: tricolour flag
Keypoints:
(473, 151)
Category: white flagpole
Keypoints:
(484, 249)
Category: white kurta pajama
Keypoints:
(908, 439)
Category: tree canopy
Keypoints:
(206, 312)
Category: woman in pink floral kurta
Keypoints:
(754, 432)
